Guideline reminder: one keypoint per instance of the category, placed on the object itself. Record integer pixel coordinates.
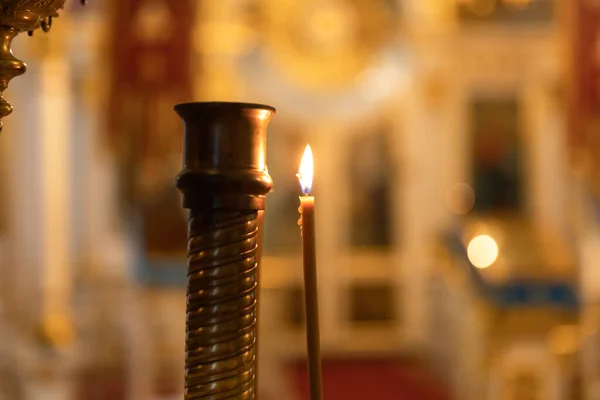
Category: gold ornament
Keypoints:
(18, 16)
(324, 44)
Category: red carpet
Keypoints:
(373, 380)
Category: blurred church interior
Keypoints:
(456, 144)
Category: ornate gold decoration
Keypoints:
(18, 16)
(325, 44)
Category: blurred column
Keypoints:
(413, 226)
(55, 168)
(41, 187)
(23, 190)
(325, 137)
(422, 213)
(9, 271)
(547, 141)
(40, 213)
(99, 245)
(424, 128)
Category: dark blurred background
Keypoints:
(456, 147)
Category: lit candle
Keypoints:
(309, 258)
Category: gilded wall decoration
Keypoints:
(334, 59)
(325, 44)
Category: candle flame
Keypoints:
(305, 174)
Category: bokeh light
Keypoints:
(482, 251)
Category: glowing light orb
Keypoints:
(482, 251)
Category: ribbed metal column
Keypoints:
(224, 182)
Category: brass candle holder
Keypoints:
(18, 16)
(224, 182)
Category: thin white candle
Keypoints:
(309, 258)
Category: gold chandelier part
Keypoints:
(18, 16)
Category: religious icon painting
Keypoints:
(371, 177)
(496, 164)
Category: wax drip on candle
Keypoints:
(300, 209)
(305, 178)
(309, 262)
